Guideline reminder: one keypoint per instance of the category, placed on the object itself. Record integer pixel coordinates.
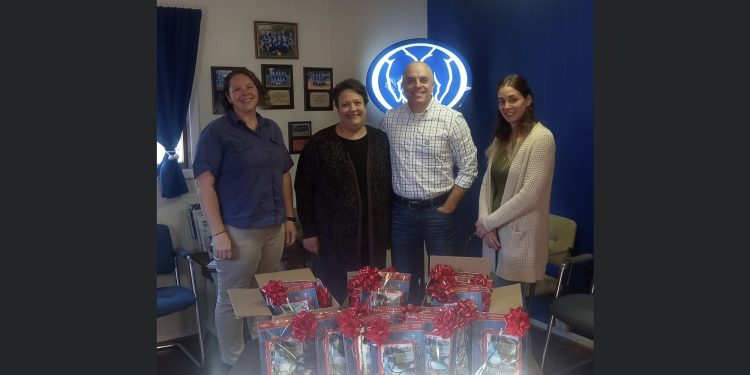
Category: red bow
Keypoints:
(275, 292)
(370, 278)
(440, 271)
(461, 315)
(304, 325)
(377, 331)
(482, 280)
(349, 323)
(442, 288)
(324, 297)
(517, 322)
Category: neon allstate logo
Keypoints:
(451, 72)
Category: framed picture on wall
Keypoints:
(279, 82)
(276, 40)
(218, 74)
(300, 133)
(318, 86)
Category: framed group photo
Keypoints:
(218, 75)
(279, 83)
(318, 87)
(276, 40)
(300, 133)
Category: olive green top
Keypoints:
(499, 175)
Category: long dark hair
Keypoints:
(503, 129)
(262, 93)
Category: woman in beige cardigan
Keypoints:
(515, 192)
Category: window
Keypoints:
(186, 145)
(180, 150)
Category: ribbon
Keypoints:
(482, 280)
(440, 271)
(349, 323)
(377, 331)
(442, 288)
(304, 325)
(409, 308)
(448, 321)
(324, 297)
(517, 322)
(275, 292)
(370, 278)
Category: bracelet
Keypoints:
(223, 230)
(291, 218)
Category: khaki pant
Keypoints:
(253, 251)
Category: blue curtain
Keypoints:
(177, 33)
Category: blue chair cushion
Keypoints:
(172, 299)
(576, 310)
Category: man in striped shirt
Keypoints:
(428, 141)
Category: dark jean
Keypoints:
(413, 229)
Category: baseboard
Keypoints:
(565, 334)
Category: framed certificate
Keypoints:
(218, 74)
(279, 82)
(318, 88)
(300, 133)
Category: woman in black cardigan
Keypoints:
(343, 189)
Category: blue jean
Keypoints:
(413, 229)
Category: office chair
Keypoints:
(175, 298)
(576, 309)
(562, 237)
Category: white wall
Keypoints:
(341, 34)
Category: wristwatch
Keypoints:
(291, 218)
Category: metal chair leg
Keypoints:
(198, 321)
(546, 340)
(531, 297)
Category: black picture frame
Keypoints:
(318, 88)
(279, 83)
(276, 40)
(299, 133)
(218, 73)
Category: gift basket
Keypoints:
(446, 287)
(284, 297)
(378, 288)
(497, 347)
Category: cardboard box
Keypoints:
(502, 299)
(249, 302)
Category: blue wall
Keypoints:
(550, 42)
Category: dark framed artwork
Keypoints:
(318, 87)
(218, 74)
(300, 133)
(276, 40)
(279, 82)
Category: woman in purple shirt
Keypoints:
(241, 170)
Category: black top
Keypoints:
(357, 150)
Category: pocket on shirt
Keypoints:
(280, 153)
(432, 145)
(237, 154)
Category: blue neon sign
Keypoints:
(451, 72)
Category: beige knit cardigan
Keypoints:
(522, 220)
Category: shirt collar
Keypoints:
(426, 109)
(239, 123)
